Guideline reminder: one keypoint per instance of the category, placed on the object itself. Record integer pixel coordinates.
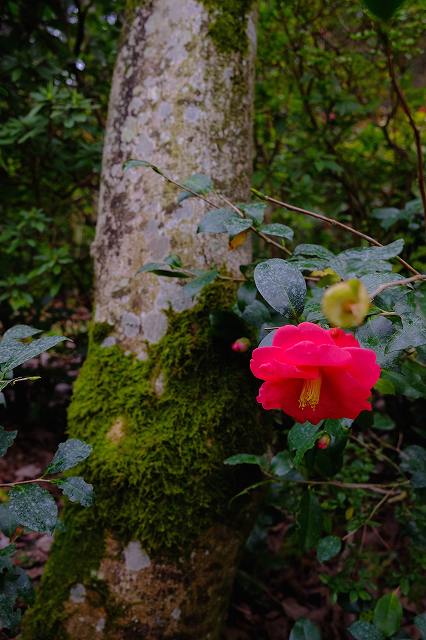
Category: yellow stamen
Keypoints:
(310, 393)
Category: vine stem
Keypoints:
(369, 486)
(14, 484)
(396, 283)
(411, 121)
(331, 221)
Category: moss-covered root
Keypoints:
(155, 557)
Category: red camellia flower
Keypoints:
(313, 373)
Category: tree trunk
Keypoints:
(162, 403)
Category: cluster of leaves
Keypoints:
(329, 130)
(56, 65)
(30, 505)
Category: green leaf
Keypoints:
(328, 548)
(6, 440)
(236, 225)
(197, 183)
(383, 422)
(281, 464)
(254, 210)
(281, 285)
(160, 269)
(420, 622)
(247, 458)
(383, 9)
(246, 294)
(309, 520)
(24, 352)
(376, 334)
(413, 460)
(8, 522)
(33, 507)
(301, 438)
(68, 455)
(214, 221)
(388, 614)
(134, 164)
(196, 285)
(20, 332)
(77, 490)
(304, 629)
(256, 314)
(277, 229)
(362, 630)
(173, 260)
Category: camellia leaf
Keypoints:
(68, 455)
(33, 507)
(197, 183)
(281, 464)
(247, 458)
(277, 229)
(328, 548)
(162, 269)
(20, 332)
(26, 351)
(196, 285)
(420, 622)
(6, 440)
(235, 225)
(301, 438)
(77, 490)
(309, 520)
(214, 221)
(362, 630)
(281, 285)
(413, 460)
(304, 629)
(383, 9)
(256, 313)
(388, 614)
(254, 210)
(133, 164)
(8, 522)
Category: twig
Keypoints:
(396, 283)
(14, 484)
(368, 486)
(411, 121)
(331, 221)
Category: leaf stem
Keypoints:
(14, 484)
(396, 283)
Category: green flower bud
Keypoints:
(346, 304)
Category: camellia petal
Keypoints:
(313, 373)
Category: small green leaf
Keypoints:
(196, 285)
(309, 520)
(301, 438)
(383, 422)
(413, 460)
(173, 260)
(254, 210)
(420, 622)
(197, 183)
(214, 221)
(6, 440)
(236, 225)
(277, 229)
(328, 548)
(68, 455)
(8, 522)
(133, 164)
(20, 332)
(161, 269)
(388, 614)
(281, 464)
(26, 351)
(304, 629)
(256, 313)
(281, 285)
(247, 458)
(33, 507)
(77, 490)
(362, 630)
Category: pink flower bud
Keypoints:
(241, 345)
(323, 442)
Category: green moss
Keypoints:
(228, 28)
(160, 431)
(79, 537)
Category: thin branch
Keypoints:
(14, 484)
(411, 121)
(330, 221)
(396, 283)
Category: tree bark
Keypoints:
(161, 401)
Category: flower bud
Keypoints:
(346, 304)
(323, 442)
(241, 345)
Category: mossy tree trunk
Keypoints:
(162, 404)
